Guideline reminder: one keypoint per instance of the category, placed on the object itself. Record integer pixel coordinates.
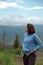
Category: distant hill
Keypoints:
(12, 30)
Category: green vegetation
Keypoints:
(7, 56)
(13, 57)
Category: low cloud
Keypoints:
(35, 20)
(14, 19)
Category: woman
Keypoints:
(30, 45)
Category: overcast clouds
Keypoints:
(21, 12)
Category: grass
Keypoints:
(7, 56)
(13, 57)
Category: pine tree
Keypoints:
(16, 42)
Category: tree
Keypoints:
(4, 38)
(16, 42)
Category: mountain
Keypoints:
(12, 30)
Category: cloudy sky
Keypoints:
(21, 12)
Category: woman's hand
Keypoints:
(31, 51)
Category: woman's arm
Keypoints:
(38, 42)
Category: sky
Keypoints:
(21, 12)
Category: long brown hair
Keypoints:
(31, 29)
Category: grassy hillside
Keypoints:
(14, 57)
